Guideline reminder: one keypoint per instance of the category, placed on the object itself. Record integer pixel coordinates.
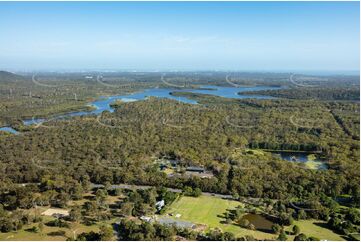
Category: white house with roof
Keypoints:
(160, 204)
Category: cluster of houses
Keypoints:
(198, 171)
(173, 165)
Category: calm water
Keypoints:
(302, 157)
(227, 92)
(293, 156)
(9, 129)
(103, 104)
(259, 221)
(232, 92)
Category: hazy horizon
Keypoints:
(109, 70)
(184, 36)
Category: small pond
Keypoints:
(260, 222)
(310, 160)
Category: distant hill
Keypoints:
(6, 76)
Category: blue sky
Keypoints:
(262, 36)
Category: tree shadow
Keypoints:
(269, 231)
(56, 233)
(223, 222)
(223, 215)
(113, 206)
(89, 197)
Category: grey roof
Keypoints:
(178, 223)
(194, 168)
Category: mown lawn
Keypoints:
(315, 228)
(209, 211)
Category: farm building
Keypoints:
(178, 223)
(195, 169)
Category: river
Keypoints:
(103, 103)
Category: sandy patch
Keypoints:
(55, 211)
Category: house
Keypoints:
(160, 204)
(146, 219)
(198, 171)
(195, 169)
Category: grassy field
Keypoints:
(202, 210)
(315, 165)
(209, 210)
(255, 152)
(23, 235)
(75, 229)
(315, 228)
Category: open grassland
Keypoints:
(46, 234)
(209, 211)
(317, 229)
(49, 233)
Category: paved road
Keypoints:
(127, 186)
(143, 187)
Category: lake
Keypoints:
(232, 92)
(103, 103)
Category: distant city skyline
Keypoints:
(184, 36)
